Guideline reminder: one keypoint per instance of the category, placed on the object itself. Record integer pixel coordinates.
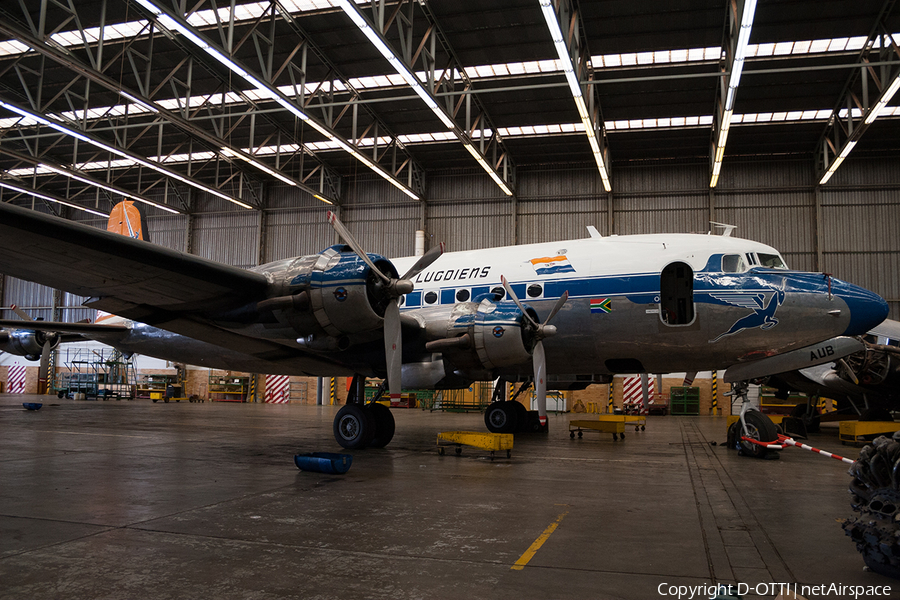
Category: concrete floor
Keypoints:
(141, 500)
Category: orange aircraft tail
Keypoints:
(129, 219)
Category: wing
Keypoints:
(75, 328)
(91, 262)
(749, 301)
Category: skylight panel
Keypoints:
(783, 48)
(818, 46)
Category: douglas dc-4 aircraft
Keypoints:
(564, 313)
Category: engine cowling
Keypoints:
(484, 336)
(27, 343)
(326, 297)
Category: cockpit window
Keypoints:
(771, 261)
(733, 263)
(751, 259)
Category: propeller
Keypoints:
(49, 341)
(395, 288)
(540, 331)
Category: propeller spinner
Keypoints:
(395, 289)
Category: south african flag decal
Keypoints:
(600, 305)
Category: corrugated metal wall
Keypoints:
(772, 201)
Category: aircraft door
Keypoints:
(676, 294)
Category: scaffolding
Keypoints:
(98, 374)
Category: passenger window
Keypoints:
(733, 263)
(676, 294)
(430, 298)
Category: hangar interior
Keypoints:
(237, 126)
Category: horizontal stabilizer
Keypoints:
(817, 354)
(888, 328)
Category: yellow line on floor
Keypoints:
(529, 554)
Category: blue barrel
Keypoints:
(324, 462)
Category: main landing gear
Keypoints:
(750, 434)
(510, 416)
(359, 425)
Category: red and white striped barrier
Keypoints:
(15, 379)
(786, 441)
(278, 389)
(633, 395)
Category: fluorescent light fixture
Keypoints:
(139, 102)
(882, 103)
(261, 88)
(737, 67)
(119, 152)
(323, 199)
(103, 186)
(565, 60)
(484, 165)
(36, 194)
(411, 80)
(261, 166)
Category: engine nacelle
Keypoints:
(333, 293)
(27, 343)
(484, 336)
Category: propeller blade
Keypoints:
(393, 347)
(425, 261)
(351, 241)
(539, 362)
(557, 306)
(512, 294)
(22, 314)
(45, 366)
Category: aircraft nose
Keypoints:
(867, 309)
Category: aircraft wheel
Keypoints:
(500, 417)
(759, 427)
(384, 425)
(875, 498)
(521, 415)
(354, 427)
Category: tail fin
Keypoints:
(127, 218)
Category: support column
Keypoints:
(610, 215)
(320, 391)
(715, 392)
(820, 232)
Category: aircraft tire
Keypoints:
(760, 428)
(500, 417)
(384, 425)
(521, 415)
(875, 500)
(354, 427)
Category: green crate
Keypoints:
(684, 400)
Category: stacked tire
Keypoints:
(875, 499)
